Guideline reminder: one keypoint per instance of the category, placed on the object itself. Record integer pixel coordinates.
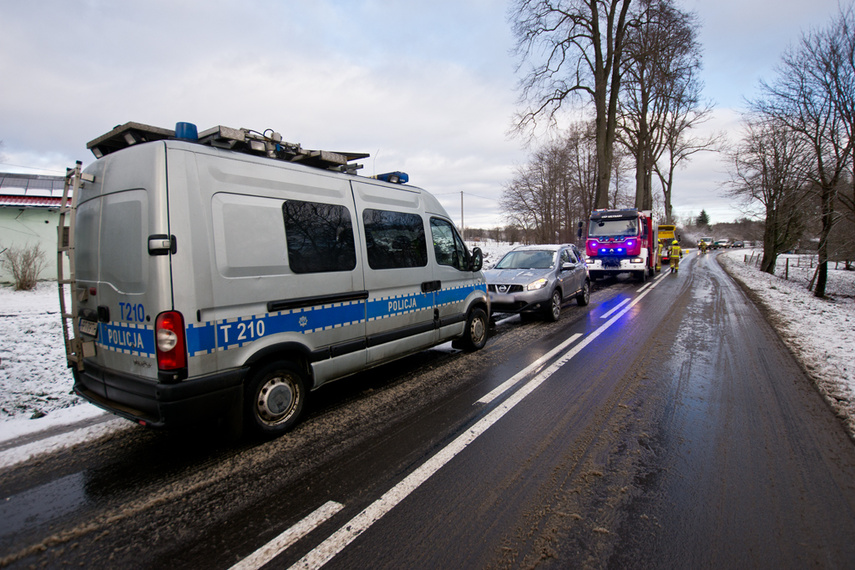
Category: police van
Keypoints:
(227, 273)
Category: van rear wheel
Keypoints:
(275, 397)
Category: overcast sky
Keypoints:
(424, 87)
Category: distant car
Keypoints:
(721, 244)
(537, 279)
(738, 244)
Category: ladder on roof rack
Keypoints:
(74, 179)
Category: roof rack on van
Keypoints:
(268, 143)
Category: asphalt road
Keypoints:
(665, 425)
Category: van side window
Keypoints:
(447, 245)
(319, 236)
(394, 239)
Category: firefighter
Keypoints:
(703, 245)
(676, 254)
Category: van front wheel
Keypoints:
(275, 397)
(475, 334)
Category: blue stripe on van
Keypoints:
(383, 307)
(456, 294)
(211, 336)
(232, 333)
(127, 338)
(201, 339)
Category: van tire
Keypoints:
(274, 398)
(475, 333)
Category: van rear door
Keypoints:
(121, 285)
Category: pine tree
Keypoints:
(703, 219)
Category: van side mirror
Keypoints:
(476, 260)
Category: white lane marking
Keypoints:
(273, 548)
(504, 386)
(619, 305)
(339, 540)
(649, 284)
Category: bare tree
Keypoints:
(622, 193)
(685, 114)
(769, 168)
(581, 152)
(555, 190)
(576, 48)
(25, 263)
(812, 96)
(661, 54)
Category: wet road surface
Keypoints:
(665, 425)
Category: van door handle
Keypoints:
(429, 286)
(162, 244)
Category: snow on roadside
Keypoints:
(34, 378)
(820, 332)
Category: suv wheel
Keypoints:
(584, 296)
(553, 310)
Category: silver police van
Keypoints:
(228, 273)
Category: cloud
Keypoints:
(424, 87)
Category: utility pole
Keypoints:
(462, 227)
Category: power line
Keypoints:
(466, 194)
(32, 167)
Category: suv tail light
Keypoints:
(171, 346)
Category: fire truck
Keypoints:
(622, 241)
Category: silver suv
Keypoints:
(538, 278)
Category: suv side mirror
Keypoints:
(476, 260)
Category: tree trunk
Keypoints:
(770, 244)
(604, 154)
(827, 212)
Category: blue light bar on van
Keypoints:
(186, 132)
(394, 177)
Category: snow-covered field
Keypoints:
(35, 384)
(34, 380)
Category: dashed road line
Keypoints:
(279, 544)
(351, 530)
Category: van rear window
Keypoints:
(395, 239)
(319, 236)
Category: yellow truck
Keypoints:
(667, 234)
